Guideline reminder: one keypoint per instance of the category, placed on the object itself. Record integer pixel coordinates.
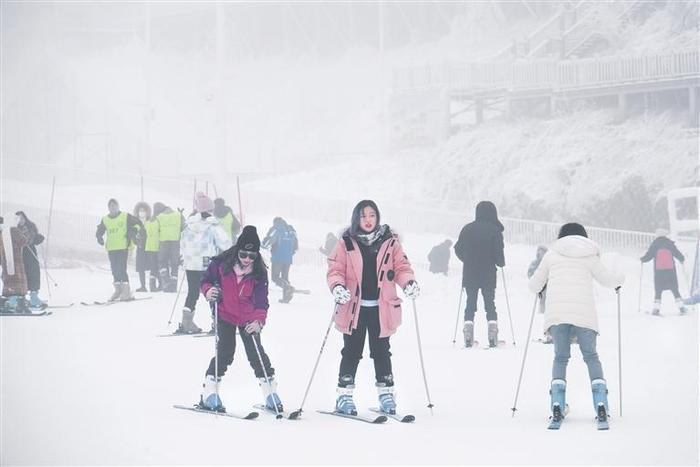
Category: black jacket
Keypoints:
(480, 248)
(439, 258)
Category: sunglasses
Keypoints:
(247, 254)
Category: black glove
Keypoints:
(617, 289)
(101, 241)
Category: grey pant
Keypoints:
(561, 335)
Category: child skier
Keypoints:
(363, 271)
(237, 281)
(202, 239)
(567, 270)
(662, 250)
(480, 248)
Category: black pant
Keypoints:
(227, 347)
(169, 257)
(657, 292)
(31, 268)
(368, 323)
(117, 262)
(488, 294)
(280, 274)
(194, 281)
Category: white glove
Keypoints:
(341, 295)
(253, 327)
(212, 294)
(412, 290)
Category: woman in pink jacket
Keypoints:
(363, 269)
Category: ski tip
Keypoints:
(251, 416)
(380, 419)
(295, 415)
(408, 419)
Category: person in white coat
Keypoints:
(568, 270)
(203, 238)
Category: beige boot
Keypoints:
(126, 294)
(117, 292)
(187, 325)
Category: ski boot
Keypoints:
(600, 402)
(387, 403)
(656, 307)
(126, 294)
(187, 325)
(558, 403)
(468, 333)
(14, 304)
(209, 398)
(152, 284)
(142, 288)
(287, 293)
(493, 333)
(35, 303)
(681, 306)
(117, 292)
(344, 403)
(272, 400)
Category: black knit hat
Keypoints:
(248, 240)
(572, 228)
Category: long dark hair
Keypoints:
(29, 224)
(355, 228)
(229, 258)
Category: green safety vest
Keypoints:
(152, 240)
(169, 226)
(227, 224)
(116, 232)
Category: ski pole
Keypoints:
(459, 310)
(216, 347)
(505, 289)
(297, 413)
(639, 302)
(522, 367)
(177, 296)
(619, 346)
(420, 354)
(267, 378)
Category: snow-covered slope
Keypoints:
(95, 386)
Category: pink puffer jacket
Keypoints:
(393, 268)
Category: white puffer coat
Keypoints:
(568, 270)
(201, 240)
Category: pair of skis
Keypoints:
(44, 311)
(112, 302)
(476, 345)
(191, 334)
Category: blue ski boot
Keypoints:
(209, 399)
(387, 403)
(269, 391)
(558, 403)
(344, 403)
(35, 302)
(600, 402)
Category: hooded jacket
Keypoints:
(480, 248)
(568, 269)
(201, 240)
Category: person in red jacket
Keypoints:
(662, 250)
(237, 281)
(363, 271)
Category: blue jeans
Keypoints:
(561, 335)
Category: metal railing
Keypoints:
(551, 74)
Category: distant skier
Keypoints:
(662, 250)
(202, 239)
(363, 271)
(480, 248)
(14, 278)
(568, 270)
(170, 225)
(121, 229)
(142, 211)
(228, 220)
(282, 241)
(439, 258)
(31, 261)
(237, 281)
(331, 242)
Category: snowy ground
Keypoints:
(96, 386)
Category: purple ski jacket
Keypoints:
(239, 302)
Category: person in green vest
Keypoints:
(170, 226)
(121, 229)
(228, 220)
(147, 247)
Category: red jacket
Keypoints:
(393, 268)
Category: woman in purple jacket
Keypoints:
(237, 281)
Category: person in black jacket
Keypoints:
(31, 261)
(662, 250)
(480, 248)
(439, 257)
